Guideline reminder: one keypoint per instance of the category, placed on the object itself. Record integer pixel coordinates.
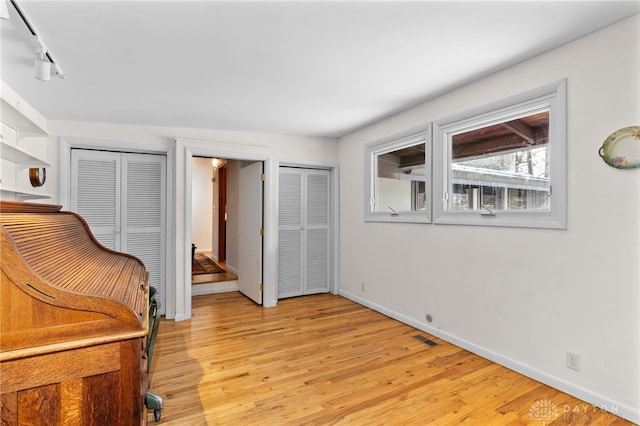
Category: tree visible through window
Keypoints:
(504, 166)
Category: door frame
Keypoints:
(186, 149)
(334, 232)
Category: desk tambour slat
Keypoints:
(67, 299)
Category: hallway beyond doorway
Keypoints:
(214, 278)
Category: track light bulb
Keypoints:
(43, 69)
(42, 66)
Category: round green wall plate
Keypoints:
(622, 148)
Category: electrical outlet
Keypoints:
(573, 361)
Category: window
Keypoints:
(504, 164)
(398, 178)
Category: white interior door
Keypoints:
(122, 196)
(250, 231)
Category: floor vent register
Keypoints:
(426, 341)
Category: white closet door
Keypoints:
(143, 214)
(122, 196)
(290, 234)
(96, 193)
(317, 231)
(304, 243)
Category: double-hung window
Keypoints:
(503, 164)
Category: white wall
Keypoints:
(202, 200)
(523, 297)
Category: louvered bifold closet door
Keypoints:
(96, 193)
(144, 214)
(304, 232)
(122, 196)
(290, 233)
(317, 231)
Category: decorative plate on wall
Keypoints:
(622, 148)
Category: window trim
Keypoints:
(398, 141)
(553, 95)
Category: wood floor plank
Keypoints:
(322, 359)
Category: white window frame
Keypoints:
(553, 97)
(406, 139)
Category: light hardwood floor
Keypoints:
(322, 359)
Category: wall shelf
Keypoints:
(22, 195)
(20, 115)
(18, 156)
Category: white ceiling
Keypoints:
(306, 68)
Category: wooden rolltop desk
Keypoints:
(73, 321)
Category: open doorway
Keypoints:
(185, 150)
(210, 271)
(227, 226)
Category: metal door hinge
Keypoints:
(262, 232)
(261, 287)
(262, 177)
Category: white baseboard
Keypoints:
(212, 288)
(598, 401)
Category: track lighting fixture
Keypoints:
(4, 10)
(44, 60)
